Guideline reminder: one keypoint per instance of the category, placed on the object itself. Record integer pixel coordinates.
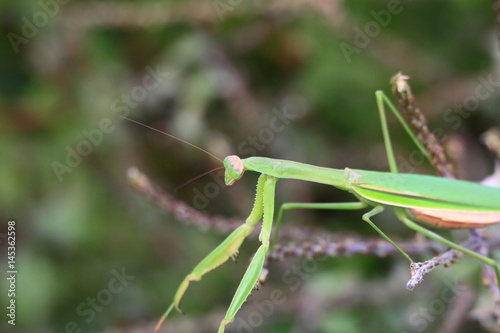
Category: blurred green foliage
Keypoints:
(228, 67)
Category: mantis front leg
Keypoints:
(263, 206)
(252, 274)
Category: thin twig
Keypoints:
(340, 245)
(178, 208)
(420, 269)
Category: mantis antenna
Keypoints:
(197, 177)
(173, 137)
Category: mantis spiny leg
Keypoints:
(253, 271)
(227, 249)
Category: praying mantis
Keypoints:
(414, 199)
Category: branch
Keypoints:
(177, 208)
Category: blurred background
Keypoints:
(283, 79)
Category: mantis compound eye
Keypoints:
(234, 169)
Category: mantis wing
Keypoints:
(439, 201)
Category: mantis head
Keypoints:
(234, 169)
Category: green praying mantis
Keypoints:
(438, 201)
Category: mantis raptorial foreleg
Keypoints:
(227, 249)
(253, 271)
